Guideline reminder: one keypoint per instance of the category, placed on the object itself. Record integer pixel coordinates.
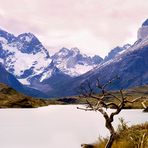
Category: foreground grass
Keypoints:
(135, 136)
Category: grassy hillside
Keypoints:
(9, 98)
(135, 136)
(132, 93)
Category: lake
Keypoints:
(56, 126)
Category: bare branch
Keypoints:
(122, 96)
(115, 97)
(112, 104)
(136, 99)
(96, 97)
(88, 92)
(143, 104)
(90, 105)
(85, 109)
(115, 113)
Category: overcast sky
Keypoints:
(94, 26)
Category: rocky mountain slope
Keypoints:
(27, 59)
(116, 52)
(9, 79)
(62, 73)
(131, 66)
(73, 63)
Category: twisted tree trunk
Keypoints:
(87, 91)
(110, 141)
(109, 126)
(112, 134)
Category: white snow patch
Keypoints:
(28, 39)
(78, 70)
(3, 40)
(1, 61)
(22, 61)
(24, 81)
(46, 75)
(120, 52)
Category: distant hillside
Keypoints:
(9, 98)
(132, 93)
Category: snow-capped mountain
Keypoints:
(66, 64)
(61, 74)
(23, 56)
(27, 59)
(143, 30)
(142, 39)
(116, 51)
(73, 63)
(131, 65)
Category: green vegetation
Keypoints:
(135, 136)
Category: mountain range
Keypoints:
(27, 66)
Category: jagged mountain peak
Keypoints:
(29, 43)
(72, 62)
(64, 49)
(26, 37)
(62, 73)
(8, 36)
(75, 50)
(143, 30)
(27, 59)
(65, 52)
(97, 59)
(74, 53)
(116, 51)
(24, 56)
(145, 23)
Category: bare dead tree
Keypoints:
(101, 104)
